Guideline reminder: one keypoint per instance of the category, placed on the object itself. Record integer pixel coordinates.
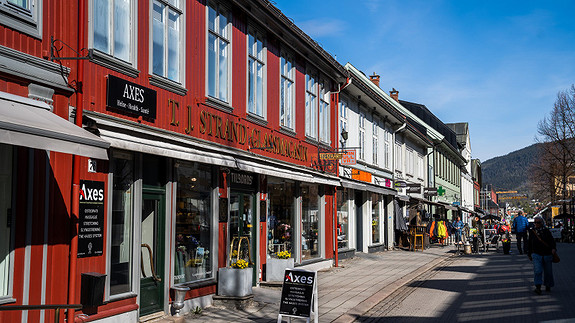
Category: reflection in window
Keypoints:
(311, 106)
(375, 219)
(287, 92)
(122, 229)
(256, 66)
(166, 40)
(218, 55)
(309, 221)
(342, 218)
(281, 215)
(5, 217)
(193, 259)
(113, 27)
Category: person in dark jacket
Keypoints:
(540, 250)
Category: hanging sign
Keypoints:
(299, 292)
(348, 158)
(131, 97)
(91, 219)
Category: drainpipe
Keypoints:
(76, 170)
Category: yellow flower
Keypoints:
(283, 255)
(240, 264)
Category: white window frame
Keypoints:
(26, 20)
(324, 113)
(221, 10)
(387, 148)
(287, 100)
(178, 7)
(420, 166)
(410, 161)
(109, 59)
(6, 296)
(361, 139)
(311, 105)
(343, 113)
(259, 59)
(375, 141)
(399, 156)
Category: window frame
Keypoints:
(257, 34)
(375, 141)
(287, 57)
(221, 10)
(324, 128)
(8, 297)
(343, 119)
(164, 80)
(311, 105)
(28, 21)
(386, 149)
(361, 137)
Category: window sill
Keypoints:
(256, 119)
(119, 297)
(287, 131)
(7, 300)
(167, 84)
(113, 63)
(311, 140)
(218, 104)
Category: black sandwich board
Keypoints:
(299, 294)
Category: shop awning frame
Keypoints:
(30, 123)
(362, 186)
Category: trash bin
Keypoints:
(92, 289)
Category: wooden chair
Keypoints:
(414, 235)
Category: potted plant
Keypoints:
(235, 280)
(506, 243)
(276, 266)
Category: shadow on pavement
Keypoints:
(501, 290)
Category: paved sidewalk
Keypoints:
(345, 292)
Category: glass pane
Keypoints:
(223, 71)
(260, 91)
(223, 24)
(5, 213)
(342, 218)
(173, 46)
(251, 86)
(251, 41)
(122, 29)
(212, 19)
(102, 25)
(158, 39)
(290, 104)
(21, 3)
(150, 215)
(283, 89)
(310, 221)
(193, 260)
(121, 251)
(260, 50)
(212, 74)
(281, 215)
(375, 227)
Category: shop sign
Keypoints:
(91, 219)
(348, 158)
(388, 182)
(242, 181)
(298, 290)
(430, 191)
(361, 175)
(330, 156)
(131, 97)
(400, 184)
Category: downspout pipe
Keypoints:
(72, 277)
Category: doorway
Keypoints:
(152, 276)
(243, 229)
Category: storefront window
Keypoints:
(281, 215)
(375, 220)
(5, 217)
(309, 221)
(193, 259)
(342, 218)
(122, 228)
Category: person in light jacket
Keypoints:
(540, 250)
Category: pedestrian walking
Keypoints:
(520, 224)
(541, 248)
(458, 226)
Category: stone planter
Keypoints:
(235, 282)
(275, 268)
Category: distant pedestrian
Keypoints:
(458, 226)
(540, 250)
(520, 224)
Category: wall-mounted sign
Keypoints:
(361, 175)
(348, 158)
(400, 184)
(131, 97)
(241, 180)
(91, 219)
(430, 191)
(330, 156)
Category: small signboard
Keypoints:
(299, 294)
(91, 219)
(131, 97)
(348, 158)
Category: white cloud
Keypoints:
(323, 27)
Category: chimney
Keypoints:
(375, 79)
(394, 94)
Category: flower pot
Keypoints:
(275, 268)
(506, 247)
(235, 282)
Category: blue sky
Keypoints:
(495, 64)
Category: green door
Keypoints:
(152, 277)
(243, 228)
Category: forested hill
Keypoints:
(510, 172)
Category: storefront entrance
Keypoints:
(243, 228)
(152, 276)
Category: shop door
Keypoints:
(243, 229)
(359, 218)
(152, 252)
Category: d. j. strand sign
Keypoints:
(218, 127)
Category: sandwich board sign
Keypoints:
(299, 295)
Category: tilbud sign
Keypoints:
(91, 194)
(290, 277)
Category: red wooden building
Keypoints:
(212, 115)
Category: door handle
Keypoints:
(154, 276)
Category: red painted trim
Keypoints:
(108, 313)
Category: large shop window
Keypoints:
(167, 32)
(193, 259)
(343, 218)
(281, 194)
(375, 218)
(122, 225)
(310, 221)
(112, 28)
(5, 218)
(218, 52)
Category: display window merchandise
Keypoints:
(281, 195)
(310, 221)
(375, 218)
(343, 218)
